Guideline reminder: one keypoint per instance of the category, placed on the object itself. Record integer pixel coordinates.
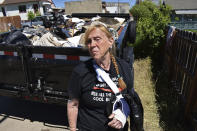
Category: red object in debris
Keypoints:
(120, 30)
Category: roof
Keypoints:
(186, 11)
(6, 2)
(182, 4)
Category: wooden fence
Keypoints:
(181, 55)
(14, 20)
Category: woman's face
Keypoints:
(98, 44)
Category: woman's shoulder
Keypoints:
(83, 67)
(125, 67)
(122, 62)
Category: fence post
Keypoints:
(191, 106)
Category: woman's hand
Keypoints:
(73, 129)
(114, 123)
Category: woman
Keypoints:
(89, 97)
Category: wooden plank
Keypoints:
(14, 20)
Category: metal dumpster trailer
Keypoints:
(41, 73)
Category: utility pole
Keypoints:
(118, 7)
(138, 1)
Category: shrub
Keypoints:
(151, 24)
(176, 18)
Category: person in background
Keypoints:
(90, 98)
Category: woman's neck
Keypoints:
(104, 62)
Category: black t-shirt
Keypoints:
(94, 96)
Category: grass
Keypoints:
(161, 110)
(144, 86)
(195, 31)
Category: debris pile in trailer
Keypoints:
(62, 31)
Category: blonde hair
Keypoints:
(121, 82)
(102, 27)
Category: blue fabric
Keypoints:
(123, 105)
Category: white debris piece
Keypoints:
(95, 18)
(97, 23)
(47, 40)
(75, 40)
(80, 25)
(67, 44)
(65, 17)
(28, 35)
(120, 20)
(77, 20)
(34, 39)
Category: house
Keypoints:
(183, 10)
(96, 6)
(21, 7)
(117, 7)
(83, 6)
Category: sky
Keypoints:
(60, 3)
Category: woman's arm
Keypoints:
(72, 112)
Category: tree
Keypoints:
(30, 15)
(151, 24)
